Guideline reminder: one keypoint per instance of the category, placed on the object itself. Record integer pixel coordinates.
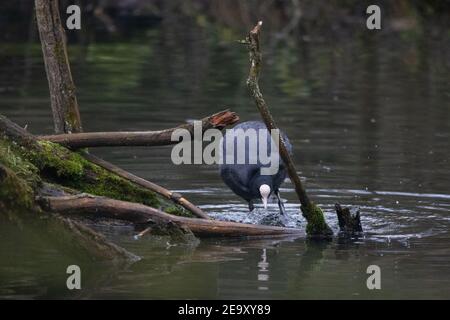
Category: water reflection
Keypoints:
(263, 267)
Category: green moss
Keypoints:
(175, 231)
(112, 186)
(57, 164)
(58, 160)
(178, 211)
(72, 170)
(316, 224)
(14, 191)
(10, 156)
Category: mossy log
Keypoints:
(172, 196)
(42, 162)
(37, 161)
(147, 138)
(30, 169)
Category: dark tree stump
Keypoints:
(348, 223)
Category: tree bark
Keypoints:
(143, 138)
(141, 214)
(63, 99)
(317, 225)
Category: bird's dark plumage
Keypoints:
(245, 179)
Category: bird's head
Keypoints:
(265, 191)
(262, 187)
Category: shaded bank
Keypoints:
(290, 19)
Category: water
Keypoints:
(369, 118)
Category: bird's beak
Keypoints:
(264, 201)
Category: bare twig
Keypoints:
(314, 216)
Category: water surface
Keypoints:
(369, 119)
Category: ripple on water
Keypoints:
(384, 214)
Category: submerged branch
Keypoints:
(91, 241)
(142, 138)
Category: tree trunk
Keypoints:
(63, 99)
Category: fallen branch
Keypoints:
(95, 139)
(18, 134)
(173, 196)
(138, 213)
(317, 225)
(143, 138)
(49, 161)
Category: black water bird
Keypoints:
(245, 178)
